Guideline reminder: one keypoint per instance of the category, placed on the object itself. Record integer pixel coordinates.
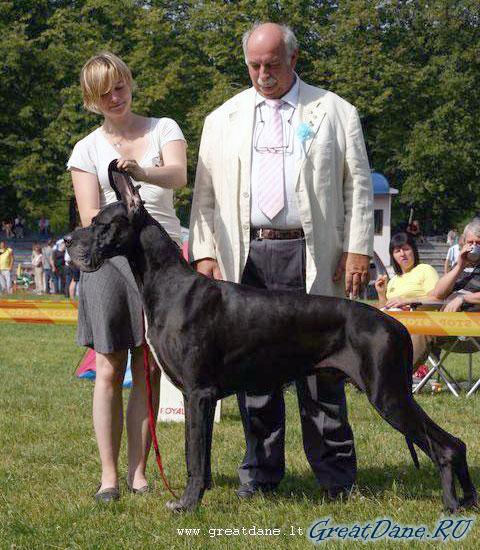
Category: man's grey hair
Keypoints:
(289, 39)
(473, 227)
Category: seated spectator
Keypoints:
(461, 285)
(452, 255)
(6, 265)
(412, 283)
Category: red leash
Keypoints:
(152, 419)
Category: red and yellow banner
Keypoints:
(439, 323)
(38, 311)
(434, 323)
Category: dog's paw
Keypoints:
(453, 508)
(180, 506)
(469, 502)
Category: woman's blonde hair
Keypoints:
(98, 76)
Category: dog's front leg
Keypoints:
(199, 414)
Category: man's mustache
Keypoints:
(270, 81)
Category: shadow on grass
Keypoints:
(405, 481)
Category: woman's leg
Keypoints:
(71, 289)
(108, 412)
(137, 418)
(421, 348)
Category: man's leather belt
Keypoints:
(268, 233)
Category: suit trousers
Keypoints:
(327, 435)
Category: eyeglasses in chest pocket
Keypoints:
(157, 161)
(262, 139)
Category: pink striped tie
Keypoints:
(271, 194)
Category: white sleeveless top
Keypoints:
(94, 153)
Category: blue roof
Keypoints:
(380, 184)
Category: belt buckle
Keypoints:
(260, 233)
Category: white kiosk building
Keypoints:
(382, 203)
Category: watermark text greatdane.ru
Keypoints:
(449, 529)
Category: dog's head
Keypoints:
(114, 230)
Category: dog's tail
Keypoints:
(413, 452)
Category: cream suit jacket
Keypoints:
(333, 187)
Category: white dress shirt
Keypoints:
(288, 217)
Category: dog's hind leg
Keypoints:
(446, 451)
(451, 456)
(384, 374)
(382, 367)
(199, 414)
(460, 466)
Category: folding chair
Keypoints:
(457, 343)
(448, 345)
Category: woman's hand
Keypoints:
(132, 168)
(398, 303)
(381, 285)
(455, 304)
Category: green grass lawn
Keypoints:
(49, 467)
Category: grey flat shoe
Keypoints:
(107, 495)
(141, 490)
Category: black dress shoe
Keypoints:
(107, 495)
(248, 490)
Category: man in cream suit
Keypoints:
(283, 201)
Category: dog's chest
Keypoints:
(171, 373)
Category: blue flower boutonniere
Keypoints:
(304, 132)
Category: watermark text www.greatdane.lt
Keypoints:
(242, 531)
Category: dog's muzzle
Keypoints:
(80, 256)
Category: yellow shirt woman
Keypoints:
(416, 283)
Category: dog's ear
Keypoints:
(123, 186)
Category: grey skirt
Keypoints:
(110, 308)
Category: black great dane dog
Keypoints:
(215, 338)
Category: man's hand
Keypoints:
(455, 304)
(462, 260)
(209, 268)
(357, 272)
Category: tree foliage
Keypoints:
(411, 67)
